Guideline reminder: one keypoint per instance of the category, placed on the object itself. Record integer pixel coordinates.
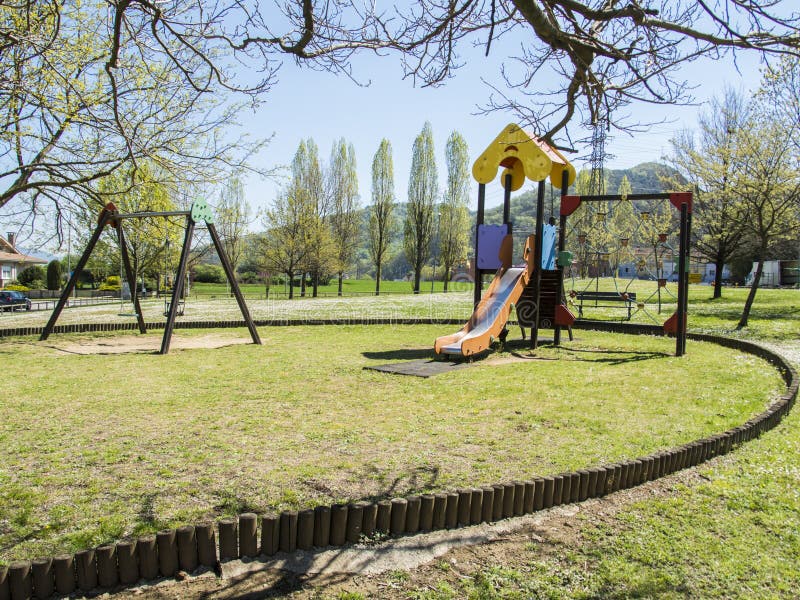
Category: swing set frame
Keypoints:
(110, 216)
(682, 201)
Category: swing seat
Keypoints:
(179, 312)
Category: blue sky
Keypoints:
(307, 103)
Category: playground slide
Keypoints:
(490, 316)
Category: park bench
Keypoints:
(606, 300)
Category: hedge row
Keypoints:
(203, 546)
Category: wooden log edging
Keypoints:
(226, 324)
(130, 562)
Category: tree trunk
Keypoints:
(445, 278)
(752, 295)
(378, 280)
(417, 277)
(341, 276)
(303, 284)
(315, 284)
(290, 274)
(719, 265)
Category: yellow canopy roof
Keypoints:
(522, 155)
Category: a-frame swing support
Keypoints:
(110, 216)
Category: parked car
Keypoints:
(14, 300)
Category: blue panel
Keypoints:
(549, 247)
(489, 239)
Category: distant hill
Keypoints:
(644, 178)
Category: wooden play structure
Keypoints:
(536, 288)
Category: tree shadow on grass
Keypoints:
(400, 354)
(616, 357)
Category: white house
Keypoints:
(12, 261)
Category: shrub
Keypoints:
(54, 275)
(111, 284)
(209, 274)
(250, 277)
(16, 287)
(33, 277)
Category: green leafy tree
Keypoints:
(284, 245)
(709, 161)
(78, 107)
(146, 238)
(344, 217)
(589, 229)
(453, 224)
(233, 218)
(295, 234)
(204, 273)
(622, 223)
(768, 181)
(423, 188)
(381, 211)
(308, 183)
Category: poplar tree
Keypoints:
(320, 252)
(291, 223)
(423, 188)
(453, 225)
(233, 217)
(380, 216)
(343, 185)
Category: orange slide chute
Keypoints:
(491, 314)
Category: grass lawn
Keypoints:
(736, 534)
(349, 287)
(100, 447)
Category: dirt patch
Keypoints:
(147, 343)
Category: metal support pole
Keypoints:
(537, 263)
(62, 301)
(507, 200)
(683, 280)
(226, 264)
(126, 261)
(177, 289)
(478, 223)
(684, 322)
(562, 236)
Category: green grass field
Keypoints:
(99, 447)
(350, 287)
